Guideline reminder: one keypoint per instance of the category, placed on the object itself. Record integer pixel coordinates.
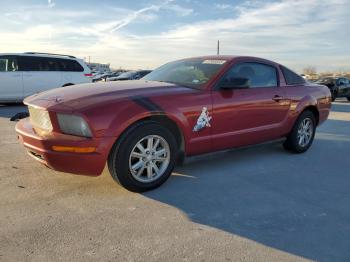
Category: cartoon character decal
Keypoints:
(203, 120)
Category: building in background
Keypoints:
(97, 67)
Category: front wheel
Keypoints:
(302, 135)
(144, 157)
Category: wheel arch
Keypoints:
(314, 110)
(307, 103)
(164, 120)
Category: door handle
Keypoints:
(277, 98)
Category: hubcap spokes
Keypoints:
(149, 158)
(305, 132)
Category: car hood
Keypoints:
(84, 95)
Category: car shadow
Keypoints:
(297, 203)
(9, 110)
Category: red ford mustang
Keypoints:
(188, 107)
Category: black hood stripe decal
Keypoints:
(146, 103)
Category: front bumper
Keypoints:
(40, 148)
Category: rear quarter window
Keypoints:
(69, 65)
(291, 77)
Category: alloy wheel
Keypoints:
(305, 132)
(149, 158)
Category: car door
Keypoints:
(11, 86)
(39, 74)
(249, 113)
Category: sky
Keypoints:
(146, 34)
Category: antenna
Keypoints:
(218, 48)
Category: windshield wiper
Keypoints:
(170, 82)
(178, 84)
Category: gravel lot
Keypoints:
(256, 204)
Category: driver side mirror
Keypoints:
(235, 83)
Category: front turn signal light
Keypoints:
(73, 149)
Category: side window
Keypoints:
(343, 81)
(8, 64)
(257, 74)
(53, 64)
(291, 77)
(32, 63)
(26, 64)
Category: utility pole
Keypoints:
(218, 48)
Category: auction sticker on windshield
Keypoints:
(214, 62)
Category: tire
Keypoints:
(348, 98)
(69, 84)
(143, 176)
(294, 142)
(334, 95)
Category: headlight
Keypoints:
(73, 125)
(40, 118)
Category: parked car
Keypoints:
(131, 75)
(100, 77)
(193, 106)
(106, 76)
(24, 74)
(339, 86)
(114, 74)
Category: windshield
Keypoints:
(191, 73)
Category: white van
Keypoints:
(24, 74)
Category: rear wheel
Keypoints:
(69, 84)
(144, 157)
(334, 95)
(302, 135)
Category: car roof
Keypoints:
(231, 58)
(136, 71)
(40, 55)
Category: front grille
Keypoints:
(40, 118)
